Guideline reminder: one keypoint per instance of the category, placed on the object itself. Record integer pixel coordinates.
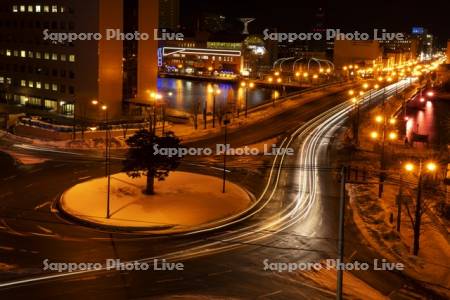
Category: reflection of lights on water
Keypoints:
(275, 94)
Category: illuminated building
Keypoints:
(65, 77)
(219, 56)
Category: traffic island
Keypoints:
(183, 202)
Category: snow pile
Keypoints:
(183, 201)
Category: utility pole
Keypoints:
(340, 272)
(399, 203)
(418, 213)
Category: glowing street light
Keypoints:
(374, 135)
(379, 119)
(393, 136)
(409, 167)
(431, 166)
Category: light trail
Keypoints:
(310, 136)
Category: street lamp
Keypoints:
(431, 167)
(226, 121)
(246, 86)
(104, 107)
(214, 92)
(391, 136)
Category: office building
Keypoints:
(64, 77)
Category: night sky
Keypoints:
(350, 15)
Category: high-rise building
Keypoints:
(65, 77)
(425, 42)
(169, 14)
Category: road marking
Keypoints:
(6, 194)
(35, 170)
(9, 178)
(270, 294)
(42, 205)
(169, 280)
(60, 165)
(219, 273)
(353, 254)
(29, 185)
(85, 177)
(6, 248)
(44, 229)
(43, 234)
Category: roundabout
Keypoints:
(182, 203)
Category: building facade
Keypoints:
(169, 14)
(64, 77)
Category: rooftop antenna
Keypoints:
(246, 21)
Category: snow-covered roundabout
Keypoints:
(183, 202)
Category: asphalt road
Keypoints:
(296, 221)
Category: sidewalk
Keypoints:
(376, 218)
(183, 202)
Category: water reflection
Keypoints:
(421, 120)
(187, 93)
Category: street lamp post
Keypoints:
(214, 92)
(107, 155)
(246, 86)
(392, 136)
(226, 121)
(430, 167)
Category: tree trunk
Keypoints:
(150, 183)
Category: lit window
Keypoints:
(46, 86)
(2, 79)
(46, 8)
(30, 84)
(54, 87)
(37, 8)
(46, 55)
(8, 80)
(53, 105)
(54, 56)
(38, 55)
(63, 57)
(23, 83)
(71, 58)
(62, 9)
(54, 8)
(23, 53)
(8, 52)
(30, 54)
(30, 8)
(15, 8)
(22, 8)
(38, 85)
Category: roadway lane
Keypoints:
(297, 222)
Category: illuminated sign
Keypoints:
(167, 51)
(418, 30)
